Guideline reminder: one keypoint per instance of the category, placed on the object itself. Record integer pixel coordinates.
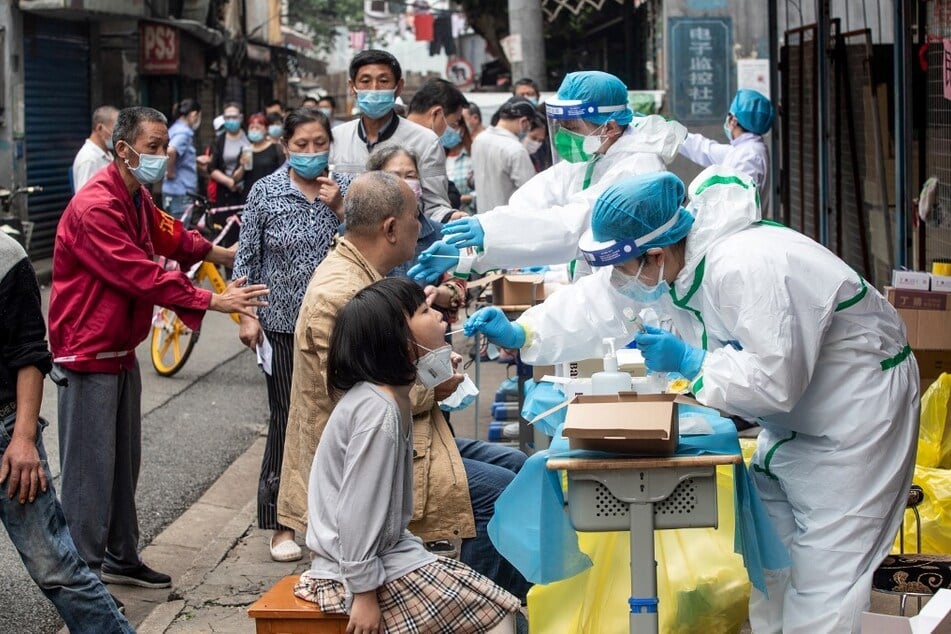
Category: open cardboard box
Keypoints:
(927, 315)
(514, 291)
(626, 423)
(935, 618)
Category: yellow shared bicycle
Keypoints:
(173, 341)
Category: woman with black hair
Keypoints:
(181, 172)
(365, 561)
(230, 160)
(289, 223)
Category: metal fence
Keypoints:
(936, 238)
(858, 214)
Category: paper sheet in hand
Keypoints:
(264, 354)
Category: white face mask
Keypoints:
(435, 366)
(460, 399)
(532, 145)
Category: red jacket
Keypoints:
(105, 278)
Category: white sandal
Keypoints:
(287, 550)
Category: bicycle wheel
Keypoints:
(172, 342)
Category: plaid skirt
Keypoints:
(444, 596)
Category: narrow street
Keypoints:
(194, 425)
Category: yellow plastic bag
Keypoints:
(934, 443)
(701, 583)
(935, 513)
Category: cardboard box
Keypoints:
(931, 363)
(912, 280)
(935, 618)
(582, 369)
(518, 290)
(626, 423)
(927, 317)
(940, 283)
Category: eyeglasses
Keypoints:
(232, 117)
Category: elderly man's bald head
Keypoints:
(372, 198)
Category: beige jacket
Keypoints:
(441, 505)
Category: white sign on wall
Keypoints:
(753, 74)
(512, 45)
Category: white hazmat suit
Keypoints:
(546, 216)
(797, 339)
(746, 154)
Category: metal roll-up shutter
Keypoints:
(56, 94)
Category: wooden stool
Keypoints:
(280, 612)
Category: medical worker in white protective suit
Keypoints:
(750, 117)
(772, 326)
(596, 141)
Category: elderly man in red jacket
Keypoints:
(105, 282)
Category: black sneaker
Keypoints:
(143, 576)
(119, 604)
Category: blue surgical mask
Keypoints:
(151, 167)
(275, 131)
(255, 136)
(328, 112)
(727, 131)
(376, 104)
(232, 125)
(450, 138)
(308, 166)
(633, 288)
(109, 144)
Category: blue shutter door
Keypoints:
(57, 111)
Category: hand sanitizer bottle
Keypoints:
(611, 381)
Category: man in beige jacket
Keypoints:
(453, 497)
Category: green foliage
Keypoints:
(322, 17)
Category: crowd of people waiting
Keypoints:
(351, 233)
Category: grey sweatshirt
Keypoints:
(360, 496)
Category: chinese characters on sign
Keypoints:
(701, 54)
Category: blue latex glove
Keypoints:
(665, 352)
(497, 328)
(465, 232)
(428, 269)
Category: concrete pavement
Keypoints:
(219, 559)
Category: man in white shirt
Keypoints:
(500, 163)
(376, 80)
(750, 117)
(96, 152)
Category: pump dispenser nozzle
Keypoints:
(610, 357)
(610, 381)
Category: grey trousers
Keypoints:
(100, 449)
